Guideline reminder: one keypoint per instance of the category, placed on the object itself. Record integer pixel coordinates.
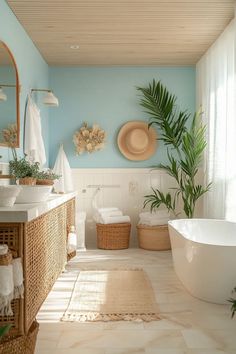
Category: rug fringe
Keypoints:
(96, 317)
(107, 269)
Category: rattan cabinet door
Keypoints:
(44, 258)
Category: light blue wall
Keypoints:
(108, 97)
(33, 70)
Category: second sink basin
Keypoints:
(33, 194)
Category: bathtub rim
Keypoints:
(184, 235)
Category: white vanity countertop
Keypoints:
(28, 212)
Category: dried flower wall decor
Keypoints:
(89, 139)
(9, 136)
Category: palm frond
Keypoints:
(158, 198)
(161, 107)
(189, 144)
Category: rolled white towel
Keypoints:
(163, 221)
(98, 216)
(155, 215)
(111, 213)
(157, 220)
(6, 290)
(115, 219)
(3, 250)
(18, 278)
(100, 210)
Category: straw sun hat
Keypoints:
(136, 141)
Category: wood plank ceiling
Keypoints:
(123, 32)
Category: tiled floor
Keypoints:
(189, 326)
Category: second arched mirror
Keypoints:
(9, 95)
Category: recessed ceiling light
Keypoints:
(74, 46)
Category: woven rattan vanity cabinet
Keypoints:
(41, 242)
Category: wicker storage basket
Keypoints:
(113, 236)
(154, 238)
(21, 344)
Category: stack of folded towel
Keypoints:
(160, 217)
(110, 215)
(11, 282)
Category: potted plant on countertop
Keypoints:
(46, 177)
(185, 144)
(24, 171)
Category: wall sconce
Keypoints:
(3, 96)
(49, 99)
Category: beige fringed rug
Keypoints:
(112, 295)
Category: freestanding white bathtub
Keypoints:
(204, 256)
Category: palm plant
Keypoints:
(233, 302)
(185, 148)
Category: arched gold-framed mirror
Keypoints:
(9, 94)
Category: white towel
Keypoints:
(101, 210)
(71, 241)
(115, 219)
(64, 184)
(99, 216)
(159, 214)
(101, 213)
(33, 141)
(3, 249)
(111, 213)
(162, 221)
(6, 290)
(18, 278)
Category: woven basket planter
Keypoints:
(113, 236)
(45, 182)
(21, 344)
(154, 238)
(30, 181)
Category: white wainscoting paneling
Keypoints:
(133, 185)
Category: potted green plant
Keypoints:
(46, 177)
(185, 142)
(24, 171)
(185, 148)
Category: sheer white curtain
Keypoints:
(216, 93)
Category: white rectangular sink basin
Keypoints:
(33, 194)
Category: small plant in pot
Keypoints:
(24, 171)
(46, 177)
(185, 148)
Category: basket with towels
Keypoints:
(159, 217)
(152, 230)
(113, 228)
(110, 215)
(11, 280)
